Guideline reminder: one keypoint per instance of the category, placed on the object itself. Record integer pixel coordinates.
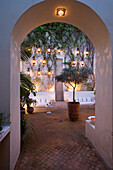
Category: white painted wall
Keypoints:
(17, 19)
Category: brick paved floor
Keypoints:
(60, 144)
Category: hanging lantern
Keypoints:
(39, 72)
(34, 60)
(28, 71)
(87, 52)
(82, 63)
(44, 61)
(49, 73)
(77, 51)
(74, 63)
(58, 51)
(48, 50)
(38, 50)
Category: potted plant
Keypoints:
(73, 76)
(26, 86)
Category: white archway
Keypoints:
(83, 17)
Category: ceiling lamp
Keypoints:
(38, 50)
(61, 12)
(87, 52)
(74, 63)
(28, 71)
(34, 60)
(82, 63)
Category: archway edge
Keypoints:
(83, 17)
(79, 15)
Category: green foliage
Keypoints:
(73, 75)
(26, 86)
(56, 35)
(4, 119)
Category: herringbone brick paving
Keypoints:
(60, 144)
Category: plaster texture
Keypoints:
(17, 19)
(58, 85)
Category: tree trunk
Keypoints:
(74, 94)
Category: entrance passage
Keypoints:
(60, 144)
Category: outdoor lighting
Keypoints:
(61, 12)
(77, 51)
(38, 50)
(28, 71)
(34, 60)
(74, 63)
(82, 63)
(49, 73)
(58, 51)
(48, 50)
(28, 49)
(44, 61)
(39, 72)
(87, 52)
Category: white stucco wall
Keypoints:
(15, 25)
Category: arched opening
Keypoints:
(89, 22)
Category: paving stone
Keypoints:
(60, 144)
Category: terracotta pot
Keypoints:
(73, 110)
(30, 110)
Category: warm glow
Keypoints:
(82, 63)
(28, 71)
(34, 60)
(61, 12)
(44, 62)
(52, 100)
(58, 51)
(51, 89)
(49, 73)
(86, 53)
(67, 99)
(28, 49)
(77, 52)
(39, 73)
(74, 63)
(48, 50)
(38, 50)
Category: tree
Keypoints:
(73, 76)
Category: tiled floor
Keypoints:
(59, 145)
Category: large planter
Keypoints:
(30, 110)
(73, 110)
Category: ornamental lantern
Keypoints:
(74, 63)
(44, 61)
(87, 52)
(48, 50)
(28, 71)
(39, 50)
(82, 63)
(39, 72)
(34, 60)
